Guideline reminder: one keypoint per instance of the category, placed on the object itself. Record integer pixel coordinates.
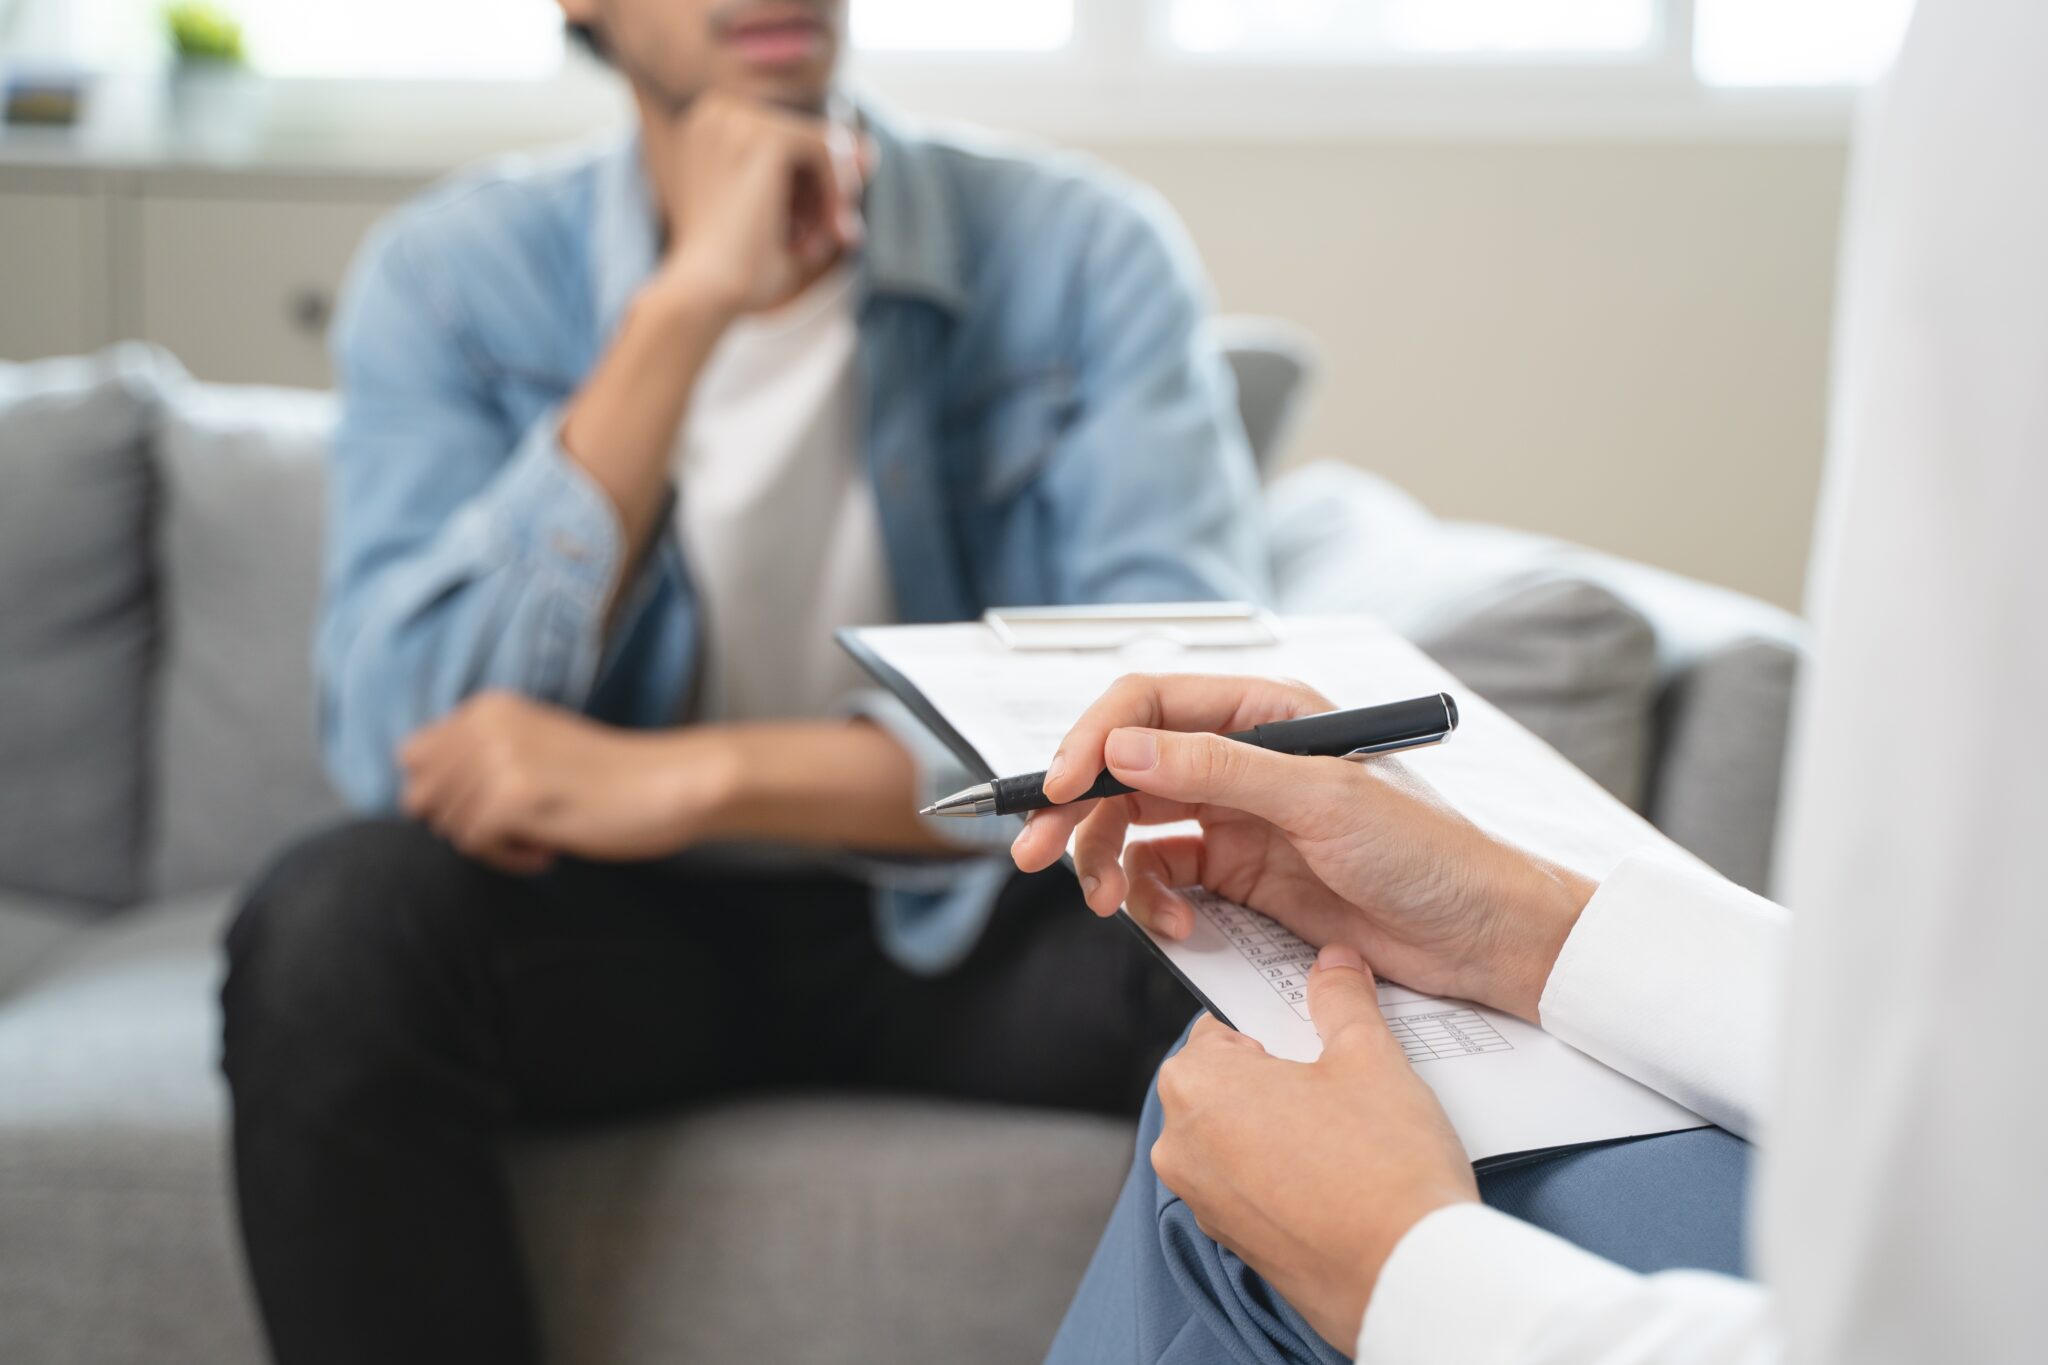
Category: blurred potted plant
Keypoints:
(204, 34)
(212, 90)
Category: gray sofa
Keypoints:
(158, 548)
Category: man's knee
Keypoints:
(354, 938)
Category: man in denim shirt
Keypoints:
(626, 434)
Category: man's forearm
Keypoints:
(621, 427)
(834, 784)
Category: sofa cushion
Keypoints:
(1564, 656)
(75, 622)
(33, 934)
(1343, 539)
(915, 1230)
(1271, 362)
(1719, 770)
(242, 477)
(115, 1235)
(1574, 665)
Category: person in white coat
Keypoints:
(1880, 1040)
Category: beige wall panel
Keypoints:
(1622, 344)
(53, 264)
(241, 290)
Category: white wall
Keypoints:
(1622, 343)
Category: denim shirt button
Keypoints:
(568, 547)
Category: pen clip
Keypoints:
(1393, 746)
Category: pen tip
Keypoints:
(932, 809)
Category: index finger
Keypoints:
(1172, 701)
(1046, 832)
(828, 150)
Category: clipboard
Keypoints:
(1509, 1088)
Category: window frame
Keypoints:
(1117, 80)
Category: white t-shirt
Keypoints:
(777, 514)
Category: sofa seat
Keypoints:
(817, 1226)
(34, 931)
(113, 1216)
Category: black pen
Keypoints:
(1334, 734)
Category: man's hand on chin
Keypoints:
(515, 783)
(758, 201)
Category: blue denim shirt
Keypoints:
(1044, 423)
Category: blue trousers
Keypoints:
(1158, 1292)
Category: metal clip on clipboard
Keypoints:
(1190, 625)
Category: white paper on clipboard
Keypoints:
(1507, 1086)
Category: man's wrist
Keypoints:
(694, 298)
(706, 775)
(752, 775)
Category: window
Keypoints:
(1733, 42)
(499, 39)
(1139, 67)
(1797, 42)
(517, 38)
(1423, 28)
(401, 38)
(397, 39)
(962, 25)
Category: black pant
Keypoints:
(392, 1009)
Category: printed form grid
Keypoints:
(1431, 1034)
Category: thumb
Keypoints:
(1210, 770)
(1341, 995)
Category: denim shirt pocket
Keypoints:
(1008, 433)
(999, 447)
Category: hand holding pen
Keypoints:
(1365, 854)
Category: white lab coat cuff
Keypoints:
(1671, 977)
(1469, 1286)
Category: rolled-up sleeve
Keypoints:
(462, 555)
(929, 911)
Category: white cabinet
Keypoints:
(240, 289)
(54, 263)
(235, 272)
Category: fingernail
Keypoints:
(1088, 885)
(1057, 766)
(1339, 955)
(1133, 751)
(1174, 924)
